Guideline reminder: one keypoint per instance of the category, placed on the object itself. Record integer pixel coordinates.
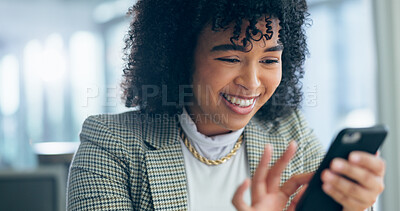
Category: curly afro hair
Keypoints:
(162, 38)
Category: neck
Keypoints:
(205, 124)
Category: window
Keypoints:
(340, 72)
(58, 74)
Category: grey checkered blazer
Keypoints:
(133, 162)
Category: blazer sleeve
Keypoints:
(99, 178)
(312, 151)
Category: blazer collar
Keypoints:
(161, 132)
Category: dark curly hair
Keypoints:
(162, 38)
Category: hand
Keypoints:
(265, 190)
(366, 170)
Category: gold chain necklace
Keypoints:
(208, 161)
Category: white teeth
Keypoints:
(238, 101)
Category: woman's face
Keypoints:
(230, 85)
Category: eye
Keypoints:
(270, 61)
(229, 60)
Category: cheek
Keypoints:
(271, 81)
(211, 77)
(277, 79)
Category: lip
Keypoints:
(237, 109)
(242, 97)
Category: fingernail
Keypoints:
(328, 175)
(325, 175)
(355, 157)
(326, 187)
(338, 164)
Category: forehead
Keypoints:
(224, 35)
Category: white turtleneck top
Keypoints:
(212, 187)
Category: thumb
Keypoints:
(296, 199)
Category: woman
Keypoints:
(217, 84)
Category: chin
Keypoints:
(235, 124)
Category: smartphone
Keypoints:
(348, 140)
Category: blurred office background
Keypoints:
(61, 60)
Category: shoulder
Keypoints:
(130, 129)
(109, 162)
(113, 121)
(291, 126)
(118, 135)
(310, 151)
(115, 126)
(294, 127)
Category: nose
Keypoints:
(249, 77)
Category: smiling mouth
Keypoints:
(241, 102)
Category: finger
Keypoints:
(296, 199)
(274, 176)
(295, 182)
(237, 199)
(344, 200)
(261, 172)
(349, 188)
(368, 161)
(359, 174)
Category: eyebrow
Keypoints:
(230, 47)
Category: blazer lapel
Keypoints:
(256, 135)
(166, 172)
(165, 167)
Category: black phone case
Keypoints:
(370, 139)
